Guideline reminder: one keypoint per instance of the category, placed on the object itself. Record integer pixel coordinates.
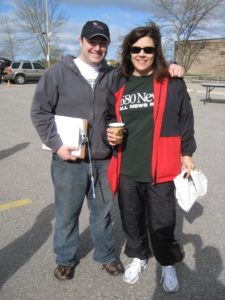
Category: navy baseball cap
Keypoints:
(93, 28)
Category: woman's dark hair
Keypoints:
(159, 66)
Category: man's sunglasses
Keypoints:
(147, 50)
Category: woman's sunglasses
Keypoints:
(147, 50)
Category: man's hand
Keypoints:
(176, 70)
(188, 164)
(64, 152)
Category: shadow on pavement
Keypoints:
(17, 253)
(202, 282)
(10, 151)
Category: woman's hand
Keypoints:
(112, 138)
(188, 164)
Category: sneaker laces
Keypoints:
(137, 264)
(169, 278)
(169, 271)
(133, 270)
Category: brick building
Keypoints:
(210, 60)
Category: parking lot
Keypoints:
(27, 216)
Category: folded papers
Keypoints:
(72, 132)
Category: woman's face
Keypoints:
(143, 61)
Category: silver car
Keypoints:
(25, 71)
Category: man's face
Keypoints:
(93, 50)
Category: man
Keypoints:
(78, 87)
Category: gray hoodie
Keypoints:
(62, 90)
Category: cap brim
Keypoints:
(99, 34)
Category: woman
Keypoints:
(159, 140)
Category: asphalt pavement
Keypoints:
(27, 216)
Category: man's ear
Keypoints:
(80, 39)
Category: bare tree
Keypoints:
(9, 39)
(40, 20)
(186, 52)
(182, 21)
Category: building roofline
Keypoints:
(214, 39)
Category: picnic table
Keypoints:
(211, 86)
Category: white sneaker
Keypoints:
(169, 279)
(134, 270)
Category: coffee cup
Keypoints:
(118, 130)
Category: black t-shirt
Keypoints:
(137, 113)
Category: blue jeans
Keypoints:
(72, 183)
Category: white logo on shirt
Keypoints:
(137, 100)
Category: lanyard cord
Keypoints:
(84, 140)
(91, 169)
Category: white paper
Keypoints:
(69, 130)
(188, 190)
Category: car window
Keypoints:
(26, 65)
(15, 65)
(38, 66)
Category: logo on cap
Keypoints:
(93, 28)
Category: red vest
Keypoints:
(166, 152)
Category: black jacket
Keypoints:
(173, 130)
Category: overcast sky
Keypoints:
(121, 16)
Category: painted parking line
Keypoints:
(16, 203)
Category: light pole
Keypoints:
(47, 35)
